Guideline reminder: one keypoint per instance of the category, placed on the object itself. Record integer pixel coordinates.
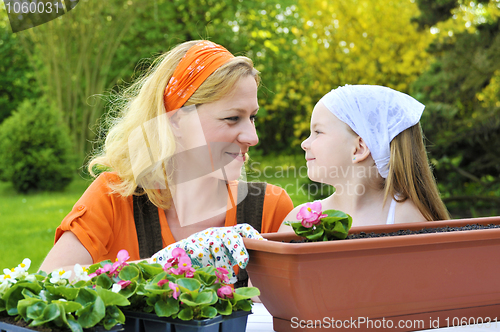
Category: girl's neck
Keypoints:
(361, 198)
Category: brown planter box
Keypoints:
(432, 280)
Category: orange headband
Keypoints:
(200, 61)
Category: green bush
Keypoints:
(35, 149)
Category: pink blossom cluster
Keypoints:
(180, 265)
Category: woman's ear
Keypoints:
(175, 123)
(361, 151)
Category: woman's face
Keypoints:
(329, 146)
(227, 131)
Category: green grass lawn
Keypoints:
(28, 222)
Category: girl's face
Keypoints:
(227, 131)
(329, 147)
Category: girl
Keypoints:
(367, 142)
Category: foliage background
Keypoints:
(445, 53)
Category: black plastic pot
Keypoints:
(7, 327)
(144, 322)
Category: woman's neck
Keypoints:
(199, 200)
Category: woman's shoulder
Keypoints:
(104, 184)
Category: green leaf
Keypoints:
(70, 306)
(111, 298)
(208, 312)
(113, 316)
(159, 277)
(94, 267)
(224, 307)
(74, 326)
(104, 281)
(207, 297)
(129, 290)
(129, 272)
(66, 292)
(85, 296)
(15, 294)
(245, 293)
(24, 305)
(50, 313)
(92, 313)
(152, 300)
(167, 308)
(154, 288)
(245, 305)
(316, 234)
(150, 270)
(189, 285)
(207, 279)
(334, 213)
(27, 294)
(206, 269)
(186, 314)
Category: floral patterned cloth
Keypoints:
(216, 246)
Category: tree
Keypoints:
(365, 42)
(461, 91)
(16, 79)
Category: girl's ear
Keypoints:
(361, 151)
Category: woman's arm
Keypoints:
(67, 251)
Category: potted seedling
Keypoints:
(142, 296)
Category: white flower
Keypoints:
(60, 276)
(116, 288)
(4, 286)
(12, 273)
(24, 266)
(81, 273)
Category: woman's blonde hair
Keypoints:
(133, 139)
(410, 176)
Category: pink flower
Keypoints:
(124, 283)
(106, 268)
(225, 292)
(121, 259)
(174, 260)
(122, 256)
(221, 274)
(162, 282)
(178, 253)
(175, 288)
(310, 214)
(184, 266)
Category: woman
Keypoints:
(366, 141)
(175, 153)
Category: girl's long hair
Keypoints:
(410, 176)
